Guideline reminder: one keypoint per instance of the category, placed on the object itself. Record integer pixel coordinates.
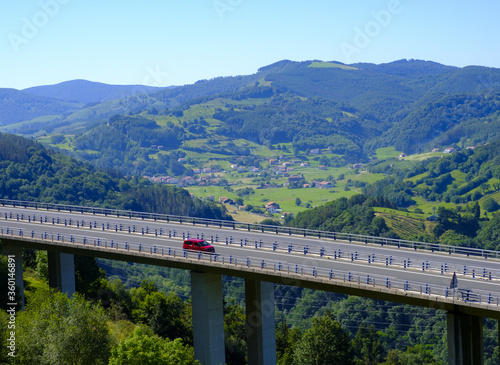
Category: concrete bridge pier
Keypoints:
(17, 252)
(62, 272)
(261, 329)
(465, 339)
(208, 318)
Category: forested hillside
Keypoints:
(411, 105)
(83, 91)
(28, 171)
(17, 106)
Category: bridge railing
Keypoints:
(354, 253)
(255, 227)
(251, 262)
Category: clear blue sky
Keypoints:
(176, 42)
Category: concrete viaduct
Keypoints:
(400, 271)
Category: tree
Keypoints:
(298, 202)
(416, 355)
(148, 349)
(326, 342)
(286, 341)
(368, 346)
(490, 204)
(56, 330)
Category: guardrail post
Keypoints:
(331, 274)
(387, 283)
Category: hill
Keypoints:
(17, 106)
(28, 171)
(86, 92)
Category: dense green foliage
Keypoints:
(56, 330)
(30, 172)
(409, 104)
(354, 215)
(149, 349)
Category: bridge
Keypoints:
(462, 281)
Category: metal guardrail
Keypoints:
(302, 232)
(362, 279)
(354, 255)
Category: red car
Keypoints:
(197, 245)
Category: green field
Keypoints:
(331, 65)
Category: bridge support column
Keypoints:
(62, 272)
(465, 339)
(208, 318)
(17, 252)
(261, 329)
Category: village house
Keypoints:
(254, 169)
(295, 178)
(449, 150)
(435, 150)
(182, 159)
(225, 200)
(325, 185)
(273, 207)
(322, 167)
(304, 164)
